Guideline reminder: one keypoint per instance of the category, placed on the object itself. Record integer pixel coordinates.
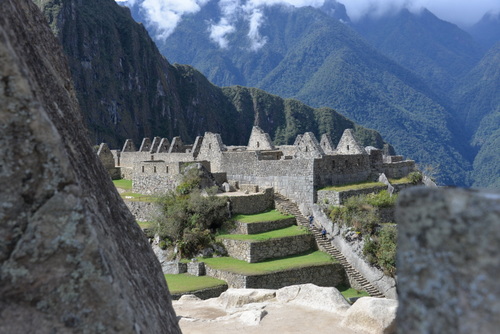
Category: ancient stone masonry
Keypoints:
(296, 171)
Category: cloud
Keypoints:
(219, 31)
(165, 15)
(461, 12)
(257, 41)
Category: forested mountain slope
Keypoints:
(127, 89)
(312, 56)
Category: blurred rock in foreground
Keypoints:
(71, 257)
(447, 260)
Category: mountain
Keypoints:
(315, 58)
(438, 51)
(478, 96)
(487, 30)
(127, 89)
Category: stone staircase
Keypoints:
(286, 205)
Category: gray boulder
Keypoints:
(372, 315)
(312, 296)
(72, 259)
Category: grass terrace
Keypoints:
(284, 232)
(290, 262)
(123, 184)
(180, 283)
(349, 292)
(355, 186)
(271, 215)
(145, 224)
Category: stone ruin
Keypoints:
(296, 171)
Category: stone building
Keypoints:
(296, 171)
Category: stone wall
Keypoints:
(261, 227)
(249, 204)
(335, 170)
(204, 293)
(326, 198)
(397, 170)
(293, 178)
(321, 275)
(384, 283)
(142, 211)
(258, 251)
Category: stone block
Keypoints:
(196, 268)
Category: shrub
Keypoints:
(415, 177)
(382, 199)
(380, 250)
(189, 215)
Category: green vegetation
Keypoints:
(189, 218)
(380, 249)
(242, 267)
(270, 215)
(284, 232)
(415, 177)
(185, 283)
(361, 214)
(355, 186)
(349, 292)
(135, 197)
(146, 224)
(123, 184)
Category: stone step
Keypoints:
(291, 208)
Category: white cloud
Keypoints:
(164, 15)
(461, 12)
(219, 31)
(256, 40)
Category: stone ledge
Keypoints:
(258, 251)
(321, 275)
(203, 293)
(261, 227)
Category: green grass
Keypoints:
(400, 181)
(298, 261)
(129, 196)
(147, 224)
(348, 292)
(267, 216)
(185, 283)
(123, 184)
(355, 186)
(284, 232)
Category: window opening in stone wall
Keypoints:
(143, 169)
(166, 169)
(154, 169)
(152, 157)
(306, 148)
(348, 147)
(258, 144)
(209, 146)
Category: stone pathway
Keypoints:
(291, 208)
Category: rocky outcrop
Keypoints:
(372, 316)
(72, 258)
(447, 261)
(295, 309)
(309, 295)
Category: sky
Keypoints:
(166, 14)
